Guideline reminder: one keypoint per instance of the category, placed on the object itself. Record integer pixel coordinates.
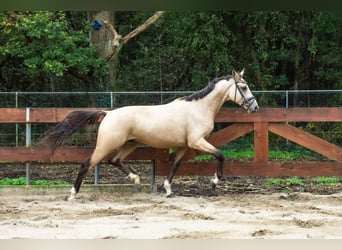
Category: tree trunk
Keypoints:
(109, 42)
(103, 39)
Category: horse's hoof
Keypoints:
(167, 187)
(169, 195)
(137, 188)
(72, 194)
(71, 198)
(134, 178)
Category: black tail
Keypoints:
(74, 122)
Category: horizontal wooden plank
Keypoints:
(65, 154)
(36, 115)
(271, 169)
(187, 168)
(307, 140)
(271, 117)
(332, 114)
(53, 115)
(12, 115)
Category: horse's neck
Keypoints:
(213, 102)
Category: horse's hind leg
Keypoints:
(95, 158)
(130, 172)
(81, 173)
(123, 152)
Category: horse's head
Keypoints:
(241, 94)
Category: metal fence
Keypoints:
(15, 135)
(267, 98)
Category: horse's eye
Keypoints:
(244, 88)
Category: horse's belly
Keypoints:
(162, 140)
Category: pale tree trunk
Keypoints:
(103, 39)
(109, 42)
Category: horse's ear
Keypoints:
(241, 73)
(235, 75)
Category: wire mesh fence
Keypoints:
(285, 98)
(15, 134)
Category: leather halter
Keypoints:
(246, 101)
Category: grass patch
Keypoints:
(297, 181)
(294, 181)
(327, 181)
(273, 181)
(22, 181)
(290, 181)
(248, 153)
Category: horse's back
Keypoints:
(156, 126)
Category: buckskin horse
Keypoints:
(181, 124)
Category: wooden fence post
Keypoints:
(260, 141)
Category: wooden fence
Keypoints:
(266, 120)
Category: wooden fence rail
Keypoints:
(266, 120)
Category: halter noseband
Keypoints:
(246, 101)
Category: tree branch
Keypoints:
(116, 36)
(115, 41)
(76, 73)
(118, 41)
(142, 27)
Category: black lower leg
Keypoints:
(220, 158)
(173, 170)
(127, 170)
(82, 172)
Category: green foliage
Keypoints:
(280, 50)
(22, 181)
(328, 181)
(290, 181)
(294, 181)
(243, 149)
(290, 153)
(328, 46)
(273, 181)
(172, 55)
(45, 48)
(17, 181)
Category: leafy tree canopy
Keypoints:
(51, 51)
(45, 51)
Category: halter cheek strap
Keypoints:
(246, 101)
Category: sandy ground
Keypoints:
(126, 215)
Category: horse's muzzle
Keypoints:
(252, 106)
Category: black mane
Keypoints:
(205, 91)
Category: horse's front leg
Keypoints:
(206, 147)
(219, 171)
(175, 165)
